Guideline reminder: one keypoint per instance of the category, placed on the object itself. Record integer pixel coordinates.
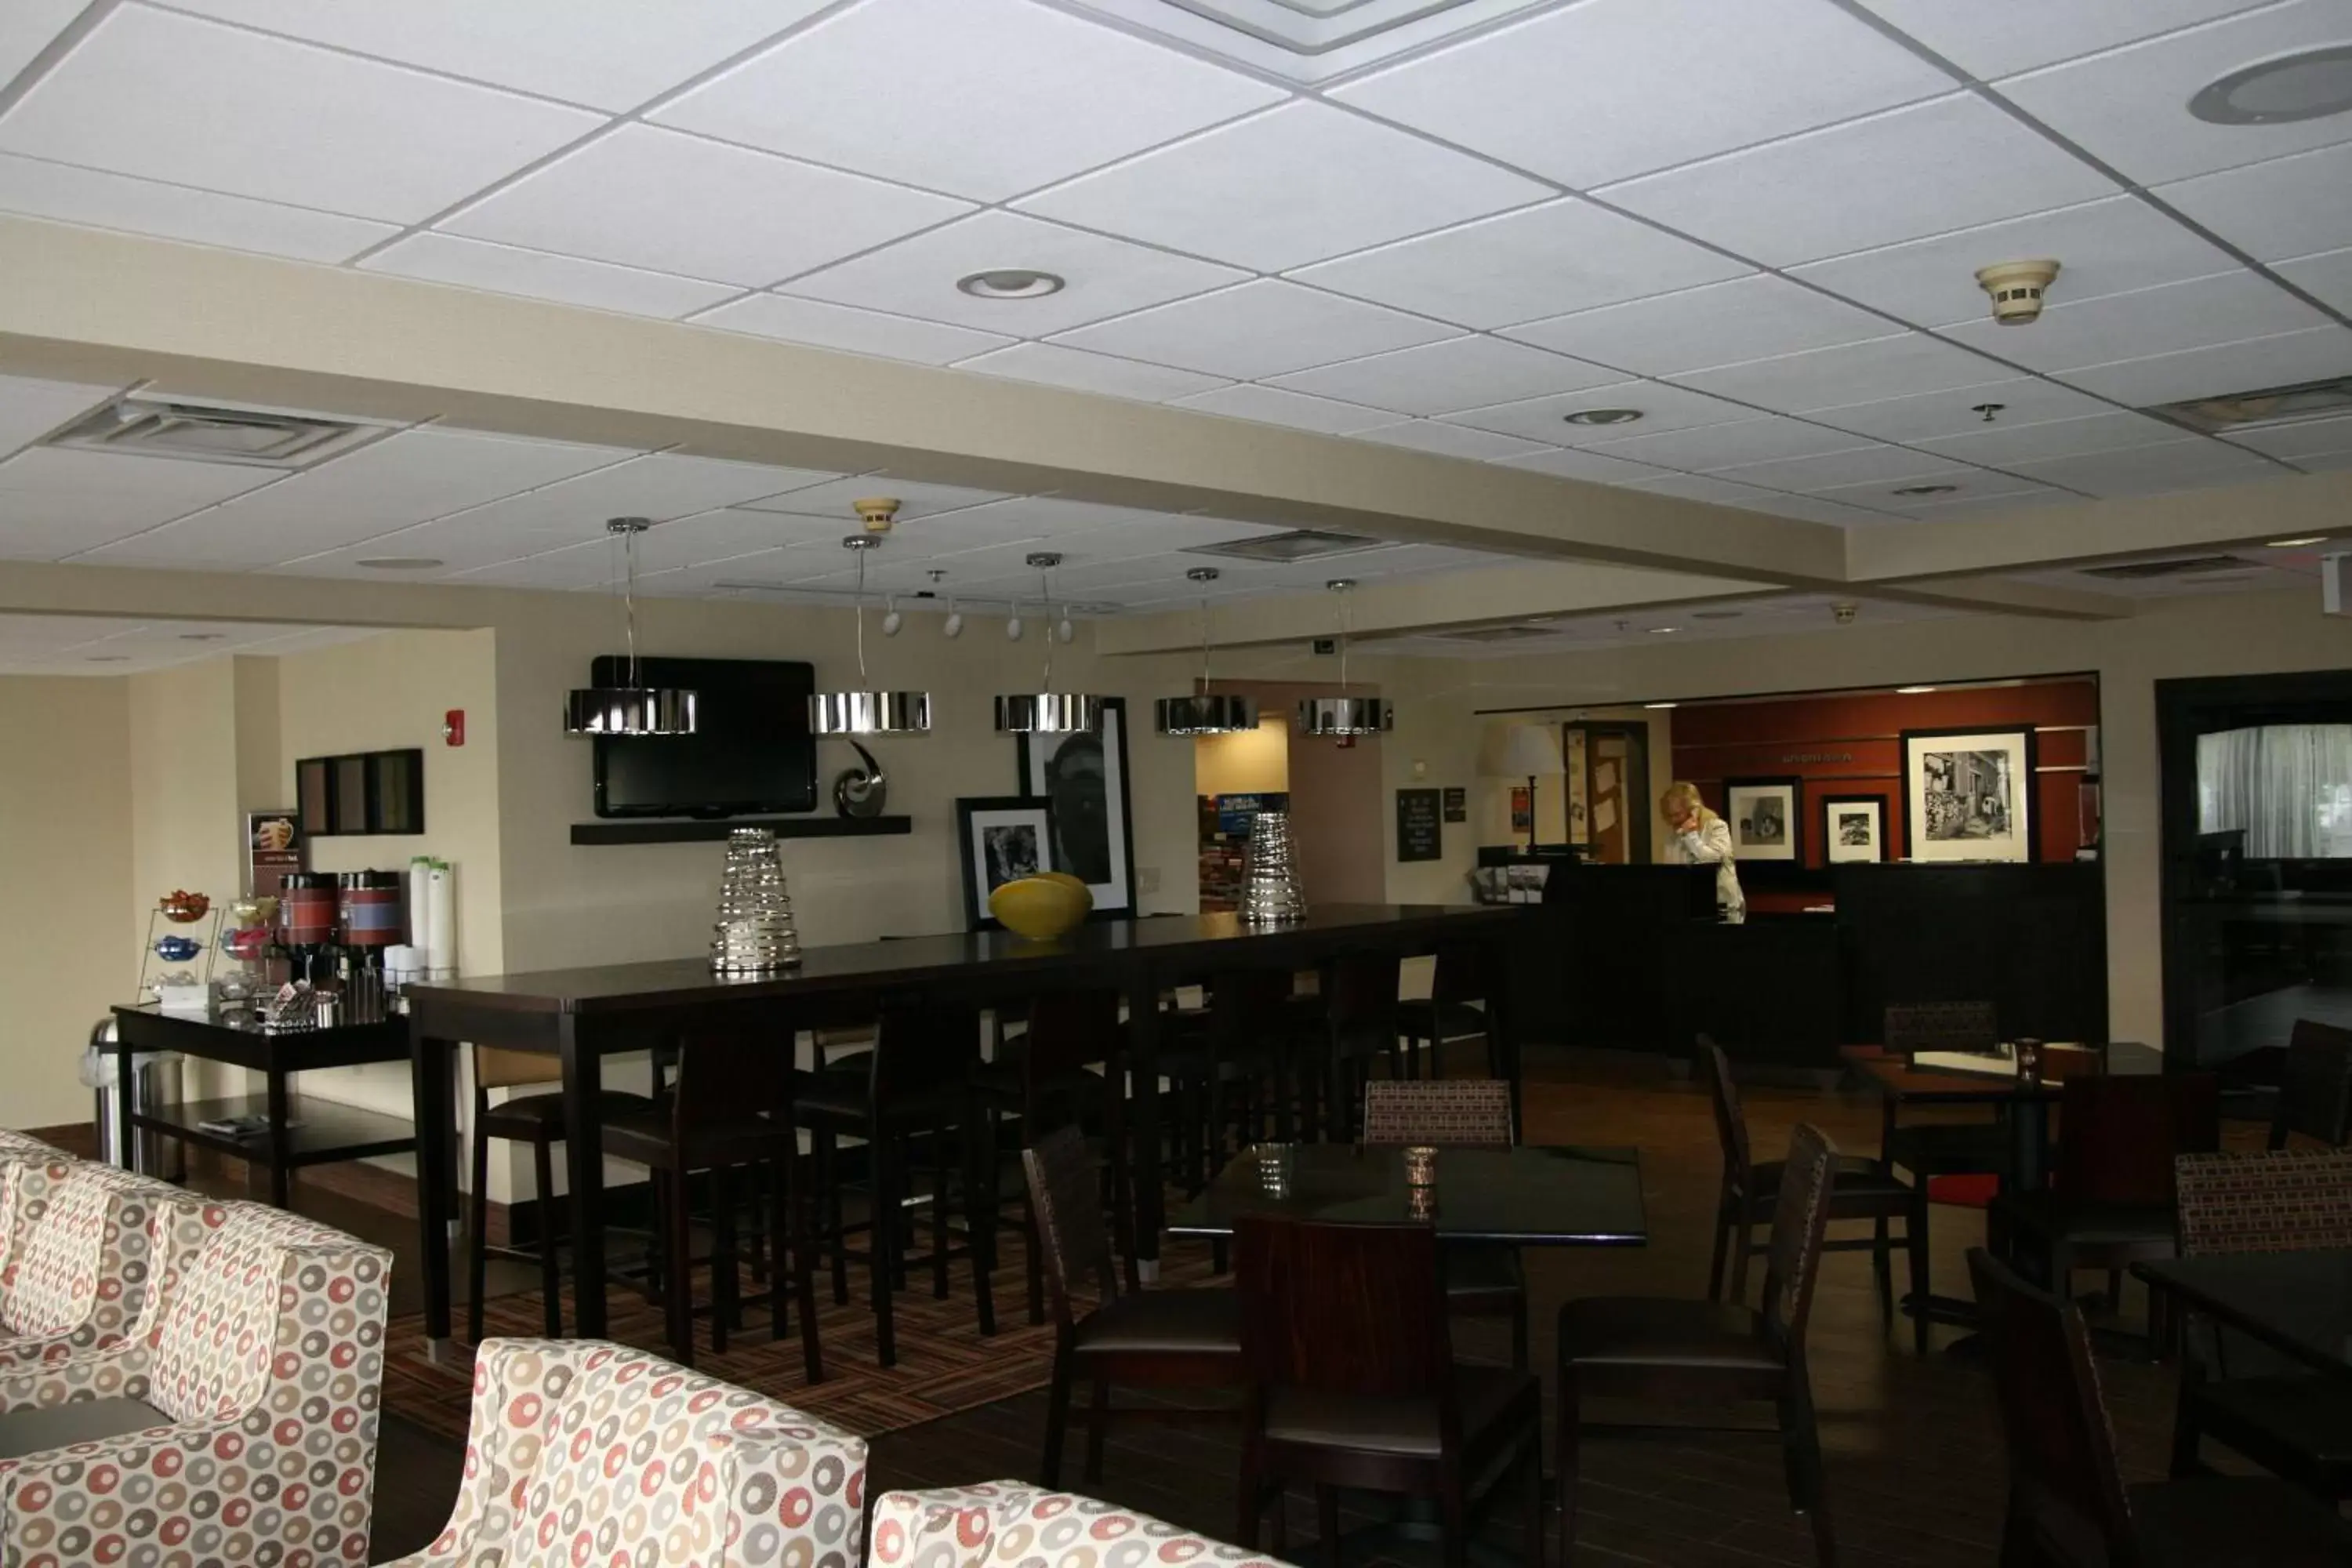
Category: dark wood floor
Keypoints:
(1913, 1450)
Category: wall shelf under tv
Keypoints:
(717, 829)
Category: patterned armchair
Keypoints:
(29, 1171)
(1004, 1524)
(85, 1278)
(241, 1428)
(585, 1451)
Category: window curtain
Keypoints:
(2288, 787)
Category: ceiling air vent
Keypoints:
(202, 433)
(1298, 544)
(2186, 567)
(1310, 40)
(2266, 409)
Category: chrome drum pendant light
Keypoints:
(1343, 714)
(633, 709)
(864, 712)
(1205, 713)
(1047, 711)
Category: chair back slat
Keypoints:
(495, 1069)
(2063, 1476)
(1461, 974)
(1070, 1029)
(1341, 1308)
(2117, 1136)
(1066, 1192)
(2316, 1089)
(1801, 1217)
(2271, 1201)
(921, 1045)
(728, 1079)
(1361, 991)
(1464, 1112)
(1730, 1117)
(1915, 1026)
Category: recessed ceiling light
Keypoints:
(202, 636)
(1927, 490)
(1662, 631)
(1601, 416)
(2297, 544)
(1913, 690)
(106, 658)
(1011, 283)
(2306, 85)
(1654, 705)
(1714, 615)
(400, 562)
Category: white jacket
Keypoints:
(1711, 845)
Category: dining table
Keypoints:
(581, 1016)
(1527, 1196)
(2297, 1303)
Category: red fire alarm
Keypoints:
(453, 726)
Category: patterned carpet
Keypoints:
(944, 1364)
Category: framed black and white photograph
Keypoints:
(1002, 837)
(1084, 778)
(1967, 794)
(1853, 829)
(1763, 817)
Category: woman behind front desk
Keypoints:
(1703, 838)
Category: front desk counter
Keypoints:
(1632, 957)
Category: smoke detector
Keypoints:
(2016, 287)
(878, 512)
(1843, 612)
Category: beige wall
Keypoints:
(68, 944)
(1256, 763)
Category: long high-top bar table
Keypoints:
(581, 1015)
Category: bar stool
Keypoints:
(1452, 1011)
(536, 1119)
(1360, 1026)
(1227, 1064)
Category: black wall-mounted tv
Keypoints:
(751, 753)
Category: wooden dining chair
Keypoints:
(1353, 1383)
(1362, 1026)
(2290, 1420)
(1454, 1009)
(1482, 1279)
(1860, 1189)
(2068, 1505)
(1179, 1339)
(1710, 1353)
(2315, 1096)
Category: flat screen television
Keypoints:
(751, 753)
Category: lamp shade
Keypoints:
(628, 710)
(1530, 749)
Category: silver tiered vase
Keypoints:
(754, 932)
(1270, 890)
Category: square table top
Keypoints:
(1535, 1196)
(2299, 1303)
(1899, 1078)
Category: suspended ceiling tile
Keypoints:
(411, 477)
(2107, 246)
(167, 96)
(851, 331)
(1837, 470)
(568, 279)
(2202, 313)
(1102, 277)
(2295, 443)
(95, 199)
(609, 54)
(1448, 440)
(2283, 360)
(1446, 377)
(2154, 470)
(1710, 446)
(1272, 406)
(28, 26)
(2003, 444)
(1957, 412)
(2052, 32)
(1953, 162)
(837, 498)
(1566, 255)
(2275, 209)
(55, 503)
(1597, 467)
(651, 198)
(2129, 106)
(2326, 277)
(1285, 187)
(1083, 372)
(1663, 408)
(1263, 329)
(1721, 323)
(984, 97)
(30, 409)
(1599, 91)
(1854, 373)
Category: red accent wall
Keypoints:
(1846, 743)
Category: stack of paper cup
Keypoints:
(441, 919)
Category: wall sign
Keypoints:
(1419, 830)
(1457, 804)
(1794, 758)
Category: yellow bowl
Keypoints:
(1042, 906)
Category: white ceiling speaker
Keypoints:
(877, 513)
(2016, 287)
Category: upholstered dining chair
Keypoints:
(1004, 1524)
(2068, 1505)
(1149, 1339)
(1482, 1279)
(2291, 1421)
(247, 1418)
(582, 1451)
(29, 1171)
(2315, 1096)
(87, 1276)
(1460, 991)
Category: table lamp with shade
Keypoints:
(1528, 751)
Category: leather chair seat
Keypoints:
(2306, 1417)
(527, 1115)
(1944, 1149)
(1205, 1323)
(1855, 1177)
(1633, 1332)
(2235, 1521)
(1430, 1019)
(1481, 1269)
(845, 1097)
(1387, 1425)
(36, 1430)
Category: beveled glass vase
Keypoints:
(1270, 891)
(753, 933)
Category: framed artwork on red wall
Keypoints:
(1763, 816)
(1967, 794)
(1853, 829)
